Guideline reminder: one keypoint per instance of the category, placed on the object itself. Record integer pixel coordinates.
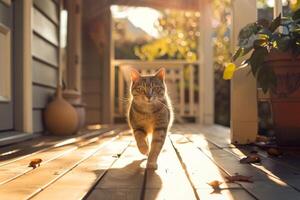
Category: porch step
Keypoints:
(11, 137)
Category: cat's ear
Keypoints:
(161, 73)
(135, 75)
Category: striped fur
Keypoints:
(150, 112)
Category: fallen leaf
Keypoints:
(35, 162)
(237, 177)
(117, 155)
(252, 158)
(215, 184)
(274, 152)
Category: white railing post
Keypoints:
(206, 71)
(244, 120)
(277, 8)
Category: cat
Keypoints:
(150, 112)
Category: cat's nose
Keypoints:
(149, 97)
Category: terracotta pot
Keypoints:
(74, 98)
(285, 98)
(80, 109)
(60, 116)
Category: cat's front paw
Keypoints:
(152, 166)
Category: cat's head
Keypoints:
(148, 89)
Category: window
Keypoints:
(5, 63)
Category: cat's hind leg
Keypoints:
(158, 139)
(141, 141)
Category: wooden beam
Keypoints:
(244, 122)
(27, 69)
(74, 45)
(99, 7)
(109, 75)
(206, 72)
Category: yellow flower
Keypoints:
(229, 71)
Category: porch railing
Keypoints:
(181, 79)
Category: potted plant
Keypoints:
(275, 63)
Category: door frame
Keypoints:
(22, 36)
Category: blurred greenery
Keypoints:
(221, 44)
(179, 32)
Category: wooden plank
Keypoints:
(91, 86)
(206, 70)
(275, 168)
(93, 116)
(5, 15)
(16, 169)
(41, 96)
(88, 172)
(45, 175)
(44, 27)
(92, 100)
(191, 90)
(264, 186)
(121, 101)
(27, 66)
(124, 180)
(181, 93)
(202, 171)
(13, 153)
(44, 51)
(164, 183)
(243, 88)
(44, 74)
(49, 8)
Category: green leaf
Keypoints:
(283, 43)
(275, 23)
(266, 78)
(296, 15)
(240, 52)
(257, 58)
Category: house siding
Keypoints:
(45, 57)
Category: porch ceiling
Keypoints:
(97, 7)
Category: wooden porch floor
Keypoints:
(105, 164)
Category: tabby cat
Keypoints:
(150, 112)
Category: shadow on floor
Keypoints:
(127, 183)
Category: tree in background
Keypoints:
(179, 35)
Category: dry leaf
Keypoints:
(261, 138)
(274, 152)
(252, 158)
(215, 184)
(117, 155)
(35, 162)
(237, 177)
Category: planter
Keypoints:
(285, 98)
(74, 98)
(60, 116)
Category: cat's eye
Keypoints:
(138, 89)
(157, 89)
